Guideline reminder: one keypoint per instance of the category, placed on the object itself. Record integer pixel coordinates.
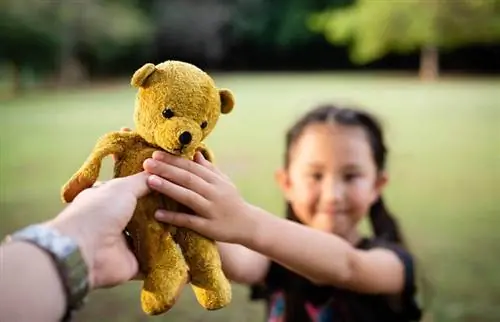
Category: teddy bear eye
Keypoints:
(204, 124)
(167, 113)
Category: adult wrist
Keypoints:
(68, 227)
(66, 255)
(27, 271)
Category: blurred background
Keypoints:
(429, 69)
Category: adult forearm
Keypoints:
(30, 289)
(321, 257)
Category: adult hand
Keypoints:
(222, 213)
(96, 219)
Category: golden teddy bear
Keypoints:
(177, 106)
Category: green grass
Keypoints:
(444, 141)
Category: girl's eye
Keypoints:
(317, 176)
(167, 113)
(351, 176)
(204, 125)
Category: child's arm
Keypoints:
(225, 216)
(243, 265)
(325, 258)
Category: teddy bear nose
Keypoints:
(185, 138)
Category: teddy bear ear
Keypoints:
(226, 101)
(140, 75)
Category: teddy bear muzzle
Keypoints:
(178, 137)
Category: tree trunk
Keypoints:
(71, 71)
(429, 63)
(17, 79)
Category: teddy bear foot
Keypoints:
(158, 300)
(214, 298)
(155, 304)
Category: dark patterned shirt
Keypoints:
(292, 298)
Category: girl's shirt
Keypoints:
(292, 298)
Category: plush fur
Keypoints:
(177, 106)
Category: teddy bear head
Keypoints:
(177, 105)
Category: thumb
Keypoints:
(135, 184)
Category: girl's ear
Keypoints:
(380, 183)
(282, 178)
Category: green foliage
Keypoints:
(278, 23)
(26, 38)
(375, 28)
(102, 34)
(38, 34)
(107, 27)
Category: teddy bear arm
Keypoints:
(211, 287)
(111, 143)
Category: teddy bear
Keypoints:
(177, 106)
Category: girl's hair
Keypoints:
(383, 223)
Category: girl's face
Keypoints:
(332, 179)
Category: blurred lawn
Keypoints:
(444, 142)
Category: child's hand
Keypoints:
(223, 214)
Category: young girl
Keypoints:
(314, 265)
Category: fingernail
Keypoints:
(155, 181)
(158, 155)
(199, 156)
(151, 163)
(160, 214)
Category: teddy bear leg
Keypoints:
(160, 259)
(165, 280)
(210, 285)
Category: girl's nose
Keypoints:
(333, 192)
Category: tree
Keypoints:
(29, 41)
(45, 36)
(278, 23)
(376, 28)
